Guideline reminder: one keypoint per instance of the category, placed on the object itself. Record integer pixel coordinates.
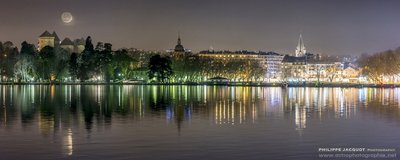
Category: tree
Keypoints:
(103, 59)
(88, 45)
(318, 70)
(1, 50)
(73, 66)
(108, 47)
(52, 63)
(99, 46)
(24, 68)
(87, 65)
(140, 69)
(60, 64)
(332, 72)
(122, 64)
(160, 68)
(3, 59)
(28, 49)
(252, 70)
(381, 66)
(45, 62)
(180, 66)
(9, 57)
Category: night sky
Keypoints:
(336, 27)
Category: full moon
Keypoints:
(66, 17)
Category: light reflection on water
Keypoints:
(75, 121)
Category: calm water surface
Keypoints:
(193, 122)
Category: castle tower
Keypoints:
(300, 49)
(56, 39)
(45, 39)
(68, 45)
(48, 39)
(79, 45)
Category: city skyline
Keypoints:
(327, 27)
(199, 79)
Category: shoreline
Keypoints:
(322, 85)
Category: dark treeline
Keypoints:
(99, 63)
(381, 67)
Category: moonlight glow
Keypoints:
(66, 17)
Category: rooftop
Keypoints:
(289, 59)
(46, 34)
(67, 41)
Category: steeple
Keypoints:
(300, 49)
(179, 39)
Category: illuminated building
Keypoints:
(68, 45)
(293, 68)
(350, 74)
(48, 39)
(271, 61)
(323, 70)
(310, 67)
(303, 69)
(179, 50)
(52, 40)
(77, 46)
(225, 55)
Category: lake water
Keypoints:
(193, 122)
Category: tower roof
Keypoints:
(67, 41)
(55, 36)
(46, 34)
(291, 59)
(179, 47)
(300, 49)
(300, 45)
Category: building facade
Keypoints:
(324, 71)
(350, 74)
(270, 61)
(68, 45)
(293, 68)
(52, 40)
(273, 63)
(48, 39)
(77, 46)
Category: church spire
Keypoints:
(179, 38)
(300, 44)
(300, 49)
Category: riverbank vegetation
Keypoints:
(99, 63)
(383, 67)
